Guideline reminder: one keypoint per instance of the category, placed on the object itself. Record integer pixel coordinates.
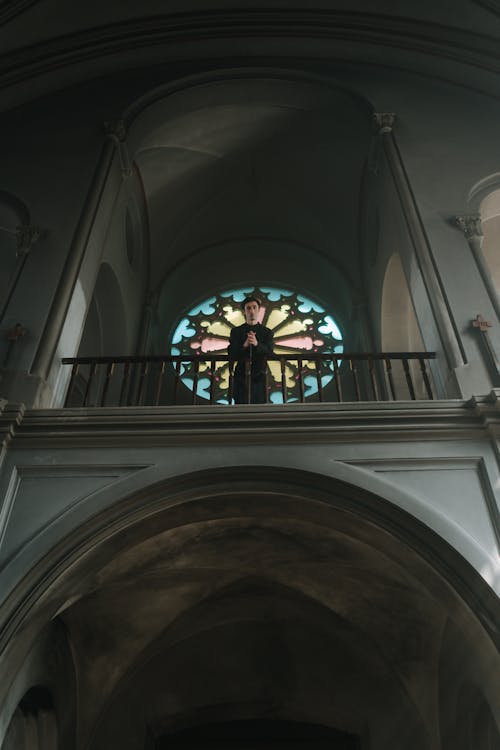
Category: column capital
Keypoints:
(116, 130)
(470, 225)
(384, 122)
(26, 236)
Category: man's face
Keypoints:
(251, 313)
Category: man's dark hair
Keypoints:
(250, 299)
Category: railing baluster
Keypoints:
(231, 382)
(373, 378)
(178, 365)
(301, 380)
(425, 377)
(338, 381)
(109, 373)
(388, 369)
(318, 379)
(354, 370)
(409, 380)
(125, 383)
(195, 380)
(159, 383)
(248, 378)
(211, 373)
(74, 372)
(142, 381)
(283, 379)
(92, 372)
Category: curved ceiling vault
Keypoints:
(262, 602)
(232, 166)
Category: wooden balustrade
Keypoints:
(156, 380)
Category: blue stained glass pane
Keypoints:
(276, 398)
(175, 351)
(203, 387)
(239, 295)
(308, 305)
(330, 327)
(206, 308)
(183, 331)
(273, 294)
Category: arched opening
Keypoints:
(247, 594)
(263, 733)
(33, 725)
(490, 220)
(400, 331)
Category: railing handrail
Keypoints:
(311, 356)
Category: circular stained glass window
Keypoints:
(299, 325)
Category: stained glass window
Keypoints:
(299, 325)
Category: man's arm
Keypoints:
(265, 342)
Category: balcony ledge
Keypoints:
(265, 423)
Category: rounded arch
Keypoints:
(13, 214)
(490, 220)
(399, 327)
(204, 145)
(104, 331)
(192, 548)
(139, 115)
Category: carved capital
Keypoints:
(26, 236)
(470, 225)
(116, 130)
(17, 332)
(384, 122)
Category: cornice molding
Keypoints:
(9, 9)
(297, 424)
(492, 6)
(135, 36)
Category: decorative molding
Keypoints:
(311, 423)
(116, 131)
(129, 37)
(492, 6)
(26, 236)
(9, 9)
(428, 464)
(470, 225)
(384, 122)
(68, 485)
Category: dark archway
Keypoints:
(265, 734)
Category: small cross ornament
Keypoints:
(481, 323)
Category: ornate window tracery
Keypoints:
(300, 325)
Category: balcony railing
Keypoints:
(209, 378)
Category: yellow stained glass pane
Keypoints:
(285, 350)
(296, 326)
(233, 315)
(278, 316)
(275, 370)
(219, 329)
(276, 373)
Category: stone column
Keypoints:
(449, 335)
(62, 298)
(472, 228)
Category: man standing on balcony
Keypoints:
(250, 344)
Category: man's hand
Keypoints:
(251, 340)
